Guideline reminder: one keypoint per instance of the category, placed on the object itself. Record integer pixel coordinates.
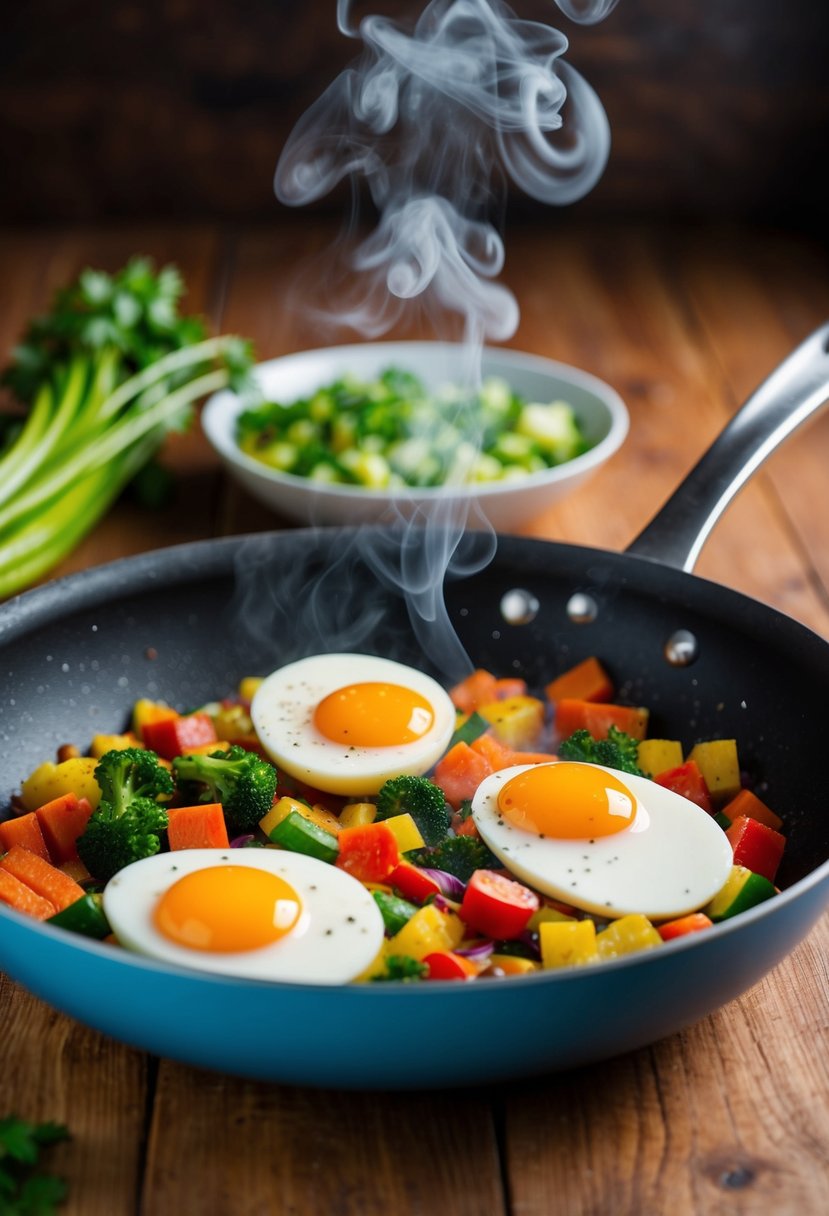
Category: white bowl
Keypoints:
(600, 411)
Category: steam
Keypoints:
(435, 120)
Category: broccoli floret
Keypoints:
(402, 967)
(458, 855)
(243, 782)
(128, 822)
(421, 799)
(618, 750)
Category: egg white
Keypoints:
(671, 860)
(283, 717)
(338, 934)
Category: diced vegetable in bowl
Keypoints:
(347, 433)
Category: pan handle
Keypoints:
(792, 393)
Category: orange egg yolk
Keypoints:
(225, 909)
(373, 715)
(567, 802)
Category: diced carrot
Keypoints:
(15, 894)
(25, 831)
(747, 803)
(534, 758)
(475, 690)
(62, 821)
(496, 754)
(369, 852)
(683, 925)
(43, 878)
(596, 719)
(587, 681)
(468, 827)
(171, 737)
(197, 827)
(509, 687)
(460, 772)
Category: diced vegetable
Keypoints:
(24, 830)
(511, 964)
(658, 755)
(688, 782)
(299, 834)
(16, 894)
(684, 925)
(44, 879)
(84, 916)
(357, 814)
(446, 965)
(412, 883)
(428, 931)
(146, 712)
(49, 781)
(720, 766)
(369, 853)
(496, 753)
(248, 687)
(482, 688)
(405, 832)
(101, 744)
(314, 814)
(569, 943)
(757, 847)
(172, 737)
(742, 890)
(497, 906)
(197, 827)
(516, 722)
(747, 803)
(460, 772)
(627, 935)
(62, 821)
(396, 912)
(469, 728)
(596, 719)
(587, 681)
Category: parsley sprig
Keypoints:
(24, 1189)
(104, 376)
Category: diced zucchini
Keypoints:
(396, 912)
(470, 728)
(300, 835)
(742, 890)
(84, 916)
(553, 427)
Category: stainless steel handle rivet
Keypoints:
(582, 609)
(681, 648)
(519, 607)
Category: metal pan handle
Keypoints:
(791, 394)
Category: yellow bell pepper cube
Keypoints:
(720, 767)
(427, 931)
(627, 935)
(511, 964)
(545, 914)
(656, 756)
(406, 832)
(249, 686)
(357, 814)
(52, 780)
(742, 890)
(516, 722)
(567, 943)
(376, 967)
(282, 809)
(101, 744)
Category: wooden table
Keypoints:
(731, 1116)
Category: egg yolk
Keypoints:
(373, 715)
(567, 802)
(225, 909)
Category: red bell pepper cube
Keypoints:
(172, 737)
(412, 883)
(688, 781)
(757, 847)
(684, 925)
(497, 906)
(446, 965)
(369, 852)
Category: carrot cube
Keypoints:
(197, 827)
(42, 877)
(62, 821)
(15, 894)
(25, 832)
(587, 681)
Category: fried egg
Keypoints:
(604, 842)
(345, 723)
(262, 914)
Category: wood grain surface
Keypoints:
(729, 1117)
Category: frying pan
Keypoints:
(186, 623)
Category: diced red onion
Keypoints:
(239, 842)
(478, 953)
(450, 886)
(530, 939)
